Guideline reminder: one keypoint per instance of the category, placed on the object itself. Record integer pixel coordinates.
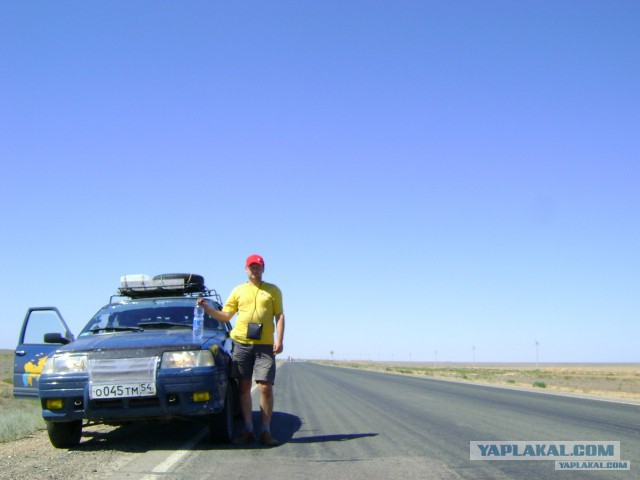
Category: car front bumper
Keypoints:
(179, 392)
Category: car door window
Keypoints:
(32, 352)
(41, 322)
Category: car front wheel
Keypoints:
(64, 434)
(221, 424)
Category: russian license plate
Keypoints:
(122, 390)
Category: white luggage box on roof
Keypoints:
(134, 281)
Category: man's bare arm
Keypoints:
(278, 344)
(217, 314)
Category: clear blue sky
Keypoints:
(420, 176)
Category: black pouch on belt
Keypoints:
(254, 331)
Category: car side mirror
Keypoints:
(55, 338)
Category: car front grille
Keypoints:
(123, 370)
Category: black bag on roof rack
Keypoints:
(192, 282)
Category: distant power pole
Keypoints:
(474, 353)
(331, 352)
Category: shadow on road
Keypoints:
(139, 437)
(172, 435)
(332, 438)
(285, 425)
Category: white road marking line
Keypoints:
(176, 456)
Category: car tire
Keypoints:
(235, 393)
(65, 434)
(221, 424)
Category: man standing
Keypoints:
(257, 304)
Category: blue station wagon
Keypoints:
(137, 359)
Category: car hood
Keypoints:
(144, 343)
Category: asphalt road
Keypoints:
(337, 423)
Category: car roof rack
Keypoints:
(166, 285)
(207, 293)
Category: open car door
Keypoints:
(32, 350)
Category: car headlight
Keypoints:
(187, 359)
(62, 364)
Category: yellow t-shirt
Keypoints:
(256, 305)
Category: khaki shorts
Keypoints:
(253, 361)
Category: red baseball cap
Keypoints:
(255, 259)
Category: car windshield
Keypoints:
(147, 314)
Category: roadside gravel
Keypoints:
(103, 450)
(34, 457)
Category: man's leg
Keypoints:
(265, 375)
(266, 402)
(242, 367)
(266, 407)
(245, 402)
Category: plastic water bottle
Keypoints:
(198, 322)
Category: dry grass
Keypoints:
(19, 417)
(619, 381)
